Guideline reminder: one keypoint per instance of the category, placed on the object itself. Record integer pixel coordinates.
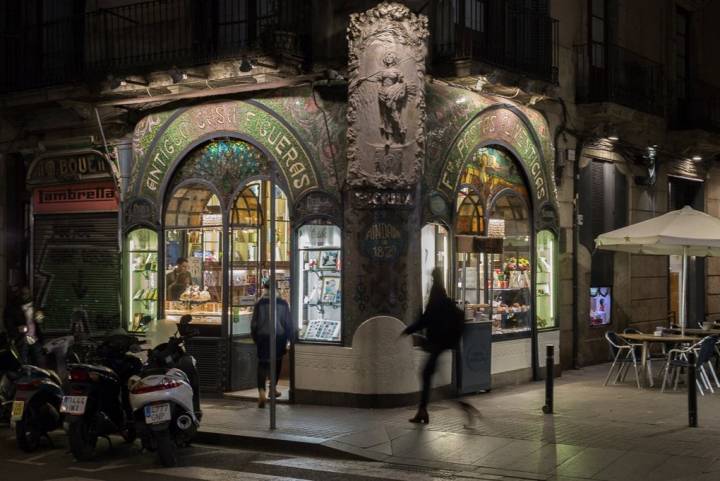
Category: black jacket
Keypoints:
(260, 327)
(14, 317)
(443, 322)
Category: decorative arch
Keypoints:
(508, 127)
(244, 120)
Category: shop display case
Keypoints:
(545, 280)
(319, 283)
(141, 275)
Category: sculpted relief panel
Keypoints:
(386, 111)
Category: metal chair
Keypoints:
(678, 360)
(623, 353)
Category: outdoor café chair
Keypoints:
(677, 360)
(624, 354)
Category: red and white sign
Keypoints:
(86, 197)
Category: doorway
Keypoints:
(249, 265)
(681, 192)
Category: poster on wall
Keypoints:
(600, 306)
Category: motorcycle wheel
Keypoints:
(27, 433)
(129, 434)
(167, 451)
(83, 439)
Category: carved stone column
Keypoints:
(386, 149)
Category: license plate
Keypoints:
(73, 404)
(157, 413)
(18, 407)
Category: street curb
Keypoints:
(276, 443)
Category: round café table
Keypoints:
(647, 339)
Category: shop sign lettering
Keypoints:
(72, 167)
(500, 125)
(93, 197)
(383, 241)
(381, 198)
(263, 128)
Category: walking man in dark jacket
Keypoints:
(23, 325)
(443, 323)
(260, 331)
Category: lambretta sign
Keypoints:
(89, 197)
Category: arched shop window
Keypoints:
(319, 282)
(250, 250)
(511, 270)
(546, 280)
(435, 253)
(493, 227)
(141, 268)
(193, 256)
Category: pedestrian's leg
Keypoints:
(263, 368)
(428, 371)
(278, 369)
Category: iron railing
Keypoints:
(615, 74)
(498, 33)
(131, 39)
(699, 109)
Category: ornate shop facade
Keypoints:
(375, 182)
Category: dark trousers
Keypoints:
(30, 353)
(263, 372)
(427, 375)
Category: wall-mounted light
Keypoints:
(696, 158)
(245, 65)
(613, 138)
(178, 75)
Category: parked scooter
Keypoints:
(38, 395)
(10, 365)
(165, 396)
(96, 404)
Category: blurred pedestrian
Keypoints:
(260, 331)
(443, 323)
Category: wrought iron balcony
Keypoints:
(154, 34)
(615, 74)
(495, 32)
(700, 109)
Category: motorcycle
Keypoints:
(96, 403)
(10, 365)
(165, 397)
(38, 395)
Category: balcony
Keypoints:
(699, 110)
(157, 34)
(617, 75)
(496, 33)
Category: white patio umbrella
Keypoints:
(685, 232)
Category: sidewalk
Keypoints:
(602, 433)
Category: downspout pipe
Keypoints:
(575, 267)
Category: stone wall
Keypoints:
(712, 264)
(3, 243)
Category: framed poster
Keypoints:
(330, 289)
(329, 259)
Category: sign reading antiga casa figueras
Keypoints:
(86, 197)
(244, 118)
(497, 125)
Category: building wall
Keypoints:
(3, 230)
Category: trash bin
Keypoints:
(474, 358)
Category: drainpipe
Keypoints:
(576, 246)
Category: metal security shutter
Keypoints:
(210, 356)
(76, 266)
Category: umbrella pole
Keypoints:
(683, 290)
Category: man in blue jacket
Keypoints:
(260, 331)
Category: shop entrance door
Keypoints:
(250, 266)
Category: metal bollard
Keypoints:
(692, 392)
(549, 379)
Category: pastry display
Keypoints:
(194, 294)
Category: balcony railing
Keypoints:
(700, 109)
(614, 74)
(153, 34)
(496, 33)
